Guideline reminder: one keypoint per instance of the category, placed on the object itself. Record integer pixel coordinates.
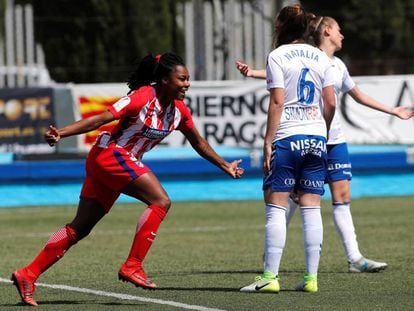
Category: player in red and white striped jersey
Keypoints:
(145, 122)
(153, 109)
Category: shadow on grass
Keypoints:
(230, 272)
(214, 289)
(261, 271)
(199, 289)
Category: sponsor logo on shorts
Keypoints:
(139, 163)
(135, 160)
(290, 181)
(339, 166)
(312, 183)
(309, 146)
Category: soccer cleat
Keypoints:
(366, 265)
(24, 286)
(136, 276)
(266, 283)
(309, 283)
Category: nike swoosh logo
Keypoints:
(261, 286)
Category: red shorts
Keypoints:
(108, 171)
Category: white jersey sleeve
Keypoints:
(274, 73)
(302, 71)
(343, 84)
(343, 81)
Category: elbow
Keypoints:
(332, 102)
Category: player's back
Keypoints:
(302, 71)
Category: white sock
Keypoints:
(275, 237)
(312, 236)
(344, 225)
(290, 211)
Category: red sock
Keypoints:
(58, 243)
(145, 234)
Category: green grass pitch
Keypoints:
(206, 251)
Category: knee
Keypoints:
(164, 202)
(343, 197)
(160, 199)
(340, 191)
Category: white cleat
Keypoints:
(263, 285)
(366, 265)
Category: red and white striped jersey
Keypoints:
(144, 122)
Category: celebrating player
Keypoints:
(294, 155)
(152, 109)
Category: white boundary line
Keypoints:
(121, 296)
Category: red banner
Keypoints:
(92, 105)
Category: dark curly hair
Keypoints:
(152, 68)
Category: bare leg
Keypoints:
(89, 213)
(148, 189)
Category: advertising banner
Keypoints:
(233, 113)
(25, 115)
(228, 113)
(363, 125)
(91, 99)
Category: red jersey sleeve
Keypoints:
(186, 122)
(130, 104)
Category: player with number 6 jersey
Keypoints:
(302, 71)
(299, 78)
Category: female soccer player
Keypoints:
(299, 76)
(152, 109)
(327, 36)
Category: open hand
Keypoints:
(52, 135)
(403, 112)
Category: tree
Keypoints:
(378, 34)
(99, 40)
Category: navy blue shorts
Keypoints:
(298, 162)
(339, 166)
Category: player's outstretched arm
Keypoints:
(53, 134)
(204, 149)
(401, 112)
(246, 71)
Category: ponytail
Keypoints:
(143, 74)
(292, 24)
(152, 68)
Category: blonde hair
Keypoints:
(317, 25)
